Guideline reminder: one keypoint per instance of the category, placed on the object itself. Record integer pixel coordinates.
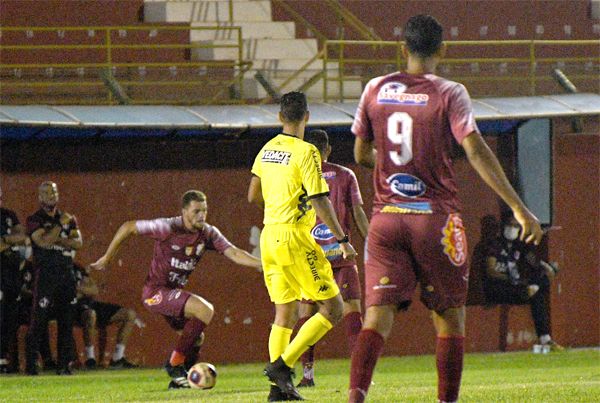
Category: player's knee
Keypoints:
(333, 310)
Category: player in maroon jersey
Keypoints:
(405, 125)
(180, 242)
(347, 202)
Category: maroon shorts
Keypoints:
(169, 302)
(348, 281)
(406, 249)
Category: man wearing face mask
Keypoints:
(55, 237)
(514, 275)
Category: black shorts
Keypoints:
(104, 312)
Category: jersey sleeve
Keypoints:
(158, 228)
(354, 190)
(218, 241)
(361, 127)
(256, 167)
(460, 113)
(34, 223)
(311, 173)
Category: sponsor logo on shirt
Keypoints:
(329, 175)
(332, 251)
(454, 240)
(174, 294)
(154, 300)
(187, 266)
(406, 185)
(277, 157)
(321, 232)
(175, 247)
(393, 93)
(384, 282)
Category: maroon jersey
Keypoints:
(177, 250)
(344, 194)
(54, 253)
(413, 120)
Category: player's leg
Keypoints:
(352, 321)
(66, 304)
(307, 309)
(349, 283)
(88, 320)
(40, 311)
(449, 351)
(124, 318)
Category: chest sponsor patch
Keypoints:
(394, 93)
(454, 240)
(406, 185)
(329, 175)
(321, 232)
(277, 157)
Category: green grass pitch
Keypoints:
(572, 376)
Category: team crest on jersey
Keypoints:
(321, 232)
(277, 157)
(393, 93)
(154, 300)
(454, 240)
(406, 185)
(189, 250)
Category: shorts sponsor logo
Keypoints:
(406, 185)
(154, 300)
(174, 294)
(329, 175)
(393, 93)
(277, 157)
(311, 259)
(454, 240)
(384, 282)
(332, 251)
(321, 232)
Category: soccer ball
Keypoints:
(202, 376)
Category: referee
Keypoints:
(289, 183)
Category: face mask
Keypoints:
(511, 233)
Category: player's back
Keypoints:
(290, 172)
(414, 120)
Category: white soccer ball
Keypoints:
(202, 376)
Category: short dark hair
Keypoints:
(423, 35)
(319, 139)
(190, 196)
(293, 107)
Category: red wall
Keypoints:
(103, 199)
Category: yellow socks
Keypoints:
(279, 339)
(311, 332)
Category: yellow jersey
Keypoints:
(290, 175)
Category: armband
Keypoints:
(345, 239)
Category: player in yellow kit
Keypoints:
(287, 181)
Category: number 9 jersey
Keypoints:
(413, 120)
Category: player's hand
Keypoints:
(65, 218)
(531, 230)
(348, 251)
(100, 264)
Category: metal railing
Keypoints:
(43, 63)
(522, 63)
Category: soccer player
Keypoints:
(346, 199)
(55, 237)
(405, 125)
(287, 180)
(180, 242)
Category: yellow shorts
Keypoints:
(294, 266)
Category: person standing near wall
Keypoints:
(347, 202)
(405, 127)
(12, 235)
(55, 237)
(180, 243)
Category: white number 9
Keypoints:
(401, 137)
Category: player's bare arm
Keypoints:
(243, 258)
(483, 160)
(255, 192)
(46, 237)
(360, 219)
(16, 237)
(365, 153)
(325, 211)
(126, 230)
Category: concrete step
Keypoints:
(257, 49)
(352, 89)
(275, 68)
(250, 30)
(206, 11)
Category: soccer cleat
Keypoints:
(91, 364)
(306, 383)
(122, 364)
(64, 371)
(280, 374)
(554, 346)
(178, 376)
(276, 395)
